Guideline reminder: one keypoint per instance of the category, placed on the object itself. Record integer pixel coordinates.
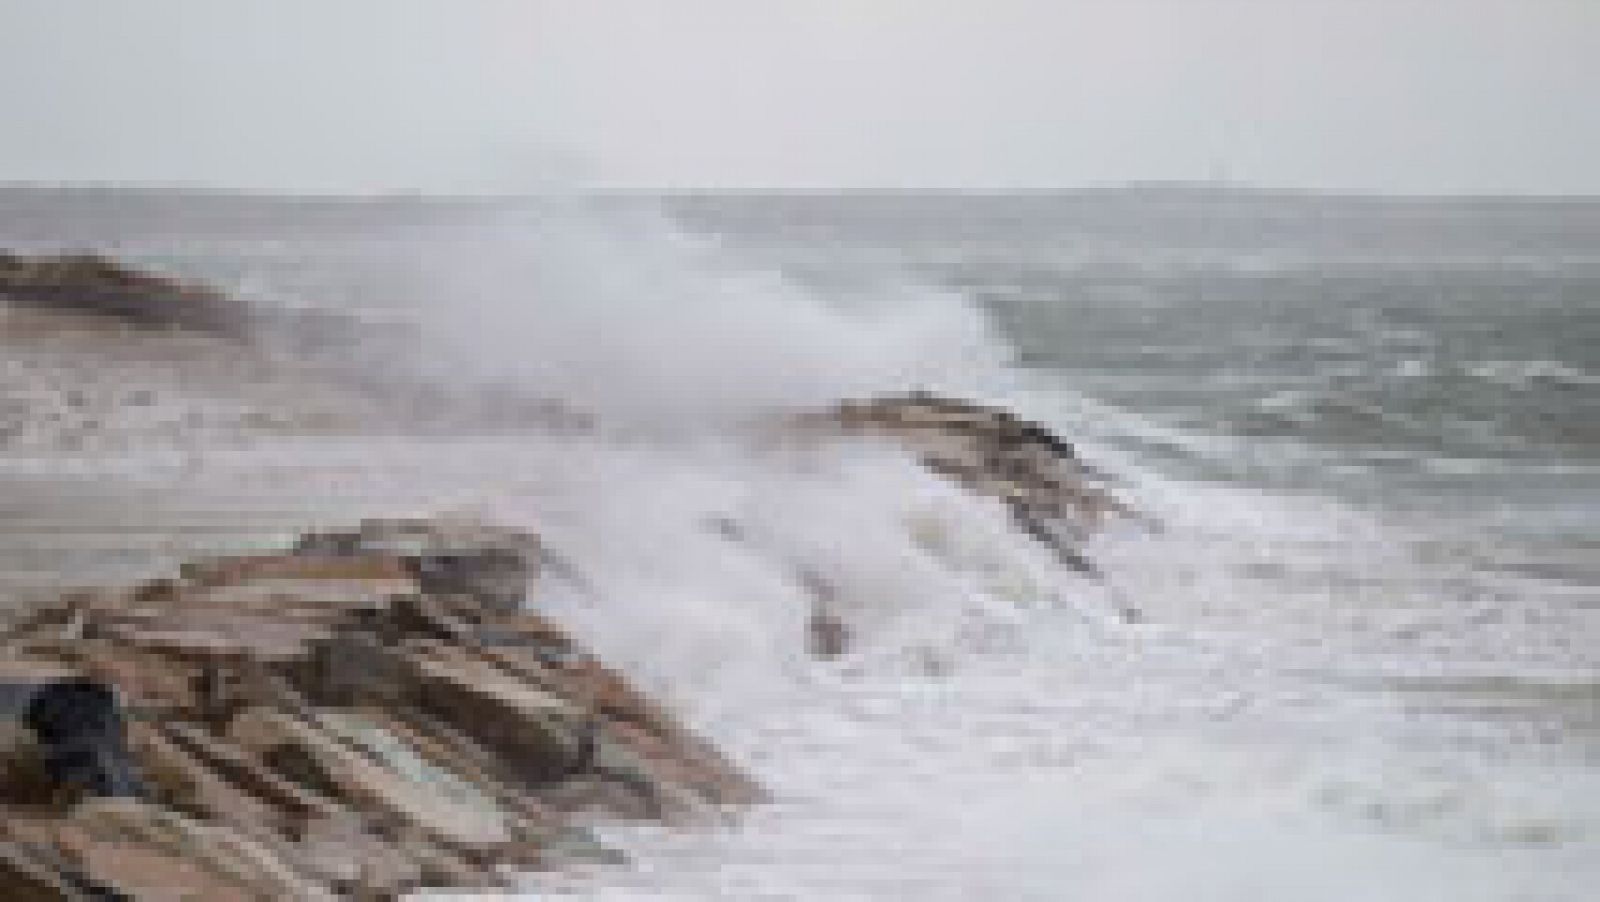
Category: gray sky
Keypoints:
(1417, 96)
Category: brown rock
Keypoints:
(95, 285)
(1052, 496)
(369, 713)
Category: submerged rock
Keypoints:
(368, 713)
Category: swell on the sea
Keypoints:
(995, 729)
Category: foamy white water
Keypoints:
(1326, 701)
(1248, 743)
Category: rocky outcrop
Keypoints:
(94, 285)
(1052, 495)
(366, 713)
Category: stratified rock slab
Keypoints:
(370, 712)
(992, 452)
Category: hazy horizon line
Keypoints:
(1194, 188)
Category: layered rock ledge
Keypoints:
(1052, 495)
(366, 714)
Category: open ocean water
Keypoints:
(1367, 431)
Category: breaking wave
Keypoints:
(1287, 724)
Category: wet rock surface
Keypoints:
(367, 713)
(1051, 494)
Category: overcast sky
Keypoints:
(1410, 96)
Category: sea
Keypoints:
(1362, 435)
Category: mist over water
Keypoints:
(629, 316)
(1337, 693)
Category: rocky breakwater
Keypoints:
(365, 714)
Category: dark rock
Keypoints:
(79, 724)
(93, 285)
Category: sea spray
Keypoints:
(621, 313)
(1325, 702)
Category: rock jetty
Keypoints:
(365, 714)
